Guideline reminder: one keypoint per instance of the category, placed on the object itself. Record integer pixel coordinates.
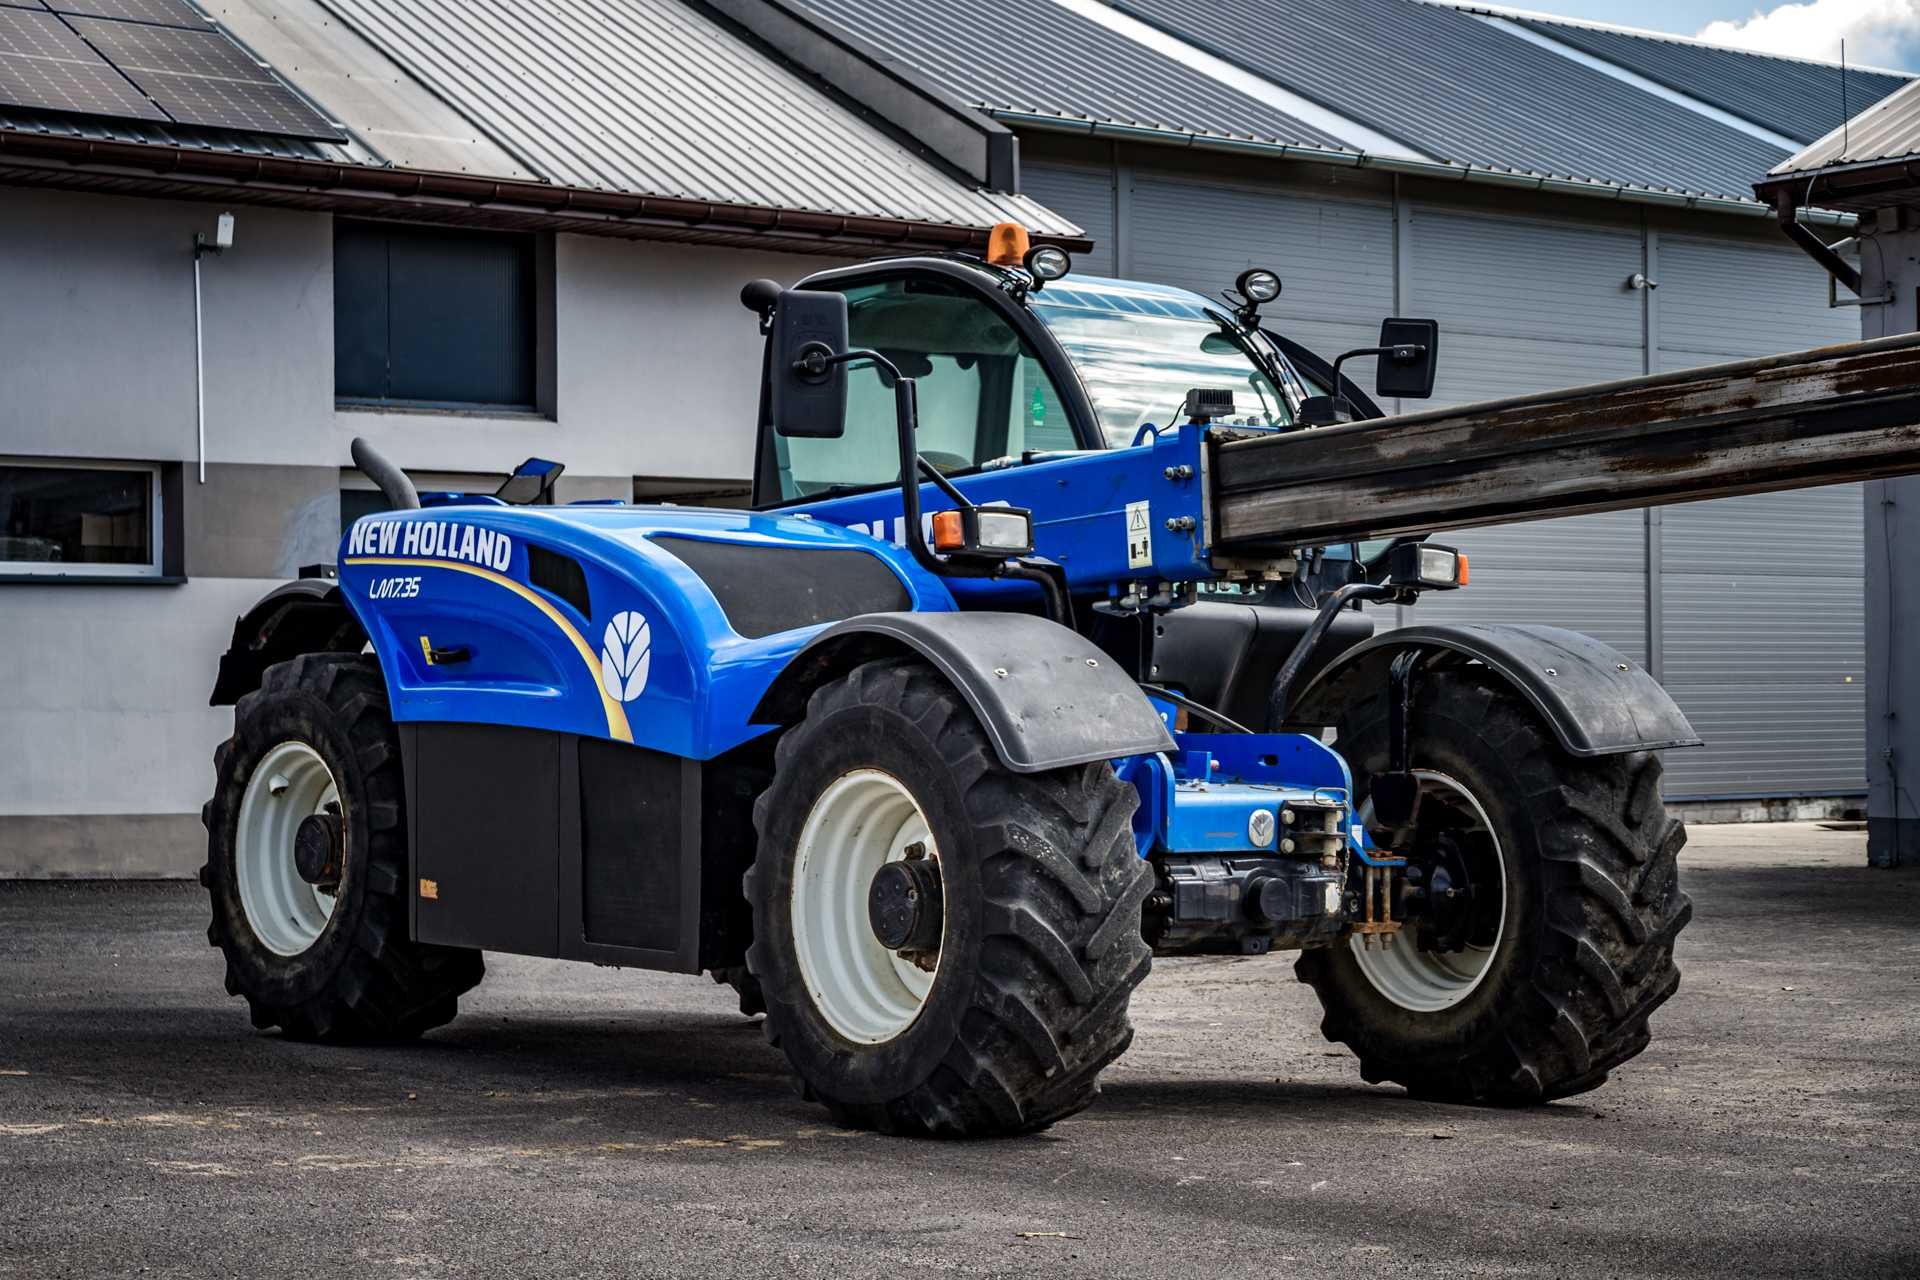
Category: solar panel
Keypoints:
(45, 66)
(134, 47)
(203, 78)
(165, 13)
(262, 107)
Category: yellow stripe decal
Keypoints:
(616, 714)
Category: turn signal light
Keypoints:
(1007, 244)
(948, 533)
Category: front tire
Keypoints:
(1580, 950)
(1004, 1024)
(332, 961)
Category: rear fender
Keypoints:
(1045, 695)
(1596, 700)
(304, 616)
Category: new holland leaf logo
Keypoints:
(625, 655)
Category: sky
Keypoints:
(1883, 33)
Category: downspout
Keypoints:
(199, 371)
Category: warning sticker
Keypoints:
(1139, 536)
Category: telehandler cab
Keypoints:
(978, 710)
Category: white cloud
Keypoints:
(1882, 33)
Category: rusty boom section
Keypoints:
(1790, 421)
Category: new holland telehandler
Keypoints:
(1014, 677)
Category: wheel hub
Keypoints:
(906, 905)
(1456, 915)
(1445, 900)
(316, 850)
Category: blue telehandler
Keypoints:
(1039, 654)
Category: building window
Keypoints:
(426, 318)
(80, 519)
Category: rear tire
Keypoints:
(1592, 907)
(320, 965)
(1039, 947)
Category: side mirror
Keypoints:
(1409, 350)
(807, 387)
(531, 482)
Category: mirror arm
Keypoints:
(906, 411)
(1360, 351)
(906, 402)
(945, 485)
(1403, 351)
(906, 405)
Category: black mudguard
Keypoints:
(1596, 701)
(307, 615)
(1045, 695)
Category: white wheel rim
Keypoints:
(1429, 981)
(292, 783)
(863, 821)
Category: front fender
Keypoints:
(306, 615)
(1596, 701)
(1045, 695)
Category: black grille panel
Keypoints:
(765, 590)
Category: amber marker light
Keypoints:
(949, 534)
(1007, 244)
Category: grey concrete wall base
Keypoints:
(1795, 809)
(1893, 842)
(120, 846)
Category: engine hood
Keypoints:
(650, 624)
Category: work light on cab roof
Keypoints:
(1008, 245)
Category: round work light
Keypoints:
(1047, 262)
(1257, 284)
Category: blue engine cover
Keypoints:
(652, 659)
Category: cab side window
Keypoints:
(983, 393)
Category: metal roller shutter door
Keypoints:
(1084, 195)
(1763, 635)
(1528, 305)
(1335, 257)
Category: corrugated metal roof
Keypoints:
(649, 96)
(1790, 96)
(1462, 90)
(380, 104)
(1064, 66)
(1888, 130)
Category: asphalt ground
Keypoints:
(581, 1121)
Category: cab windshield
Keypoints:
(1140, 348)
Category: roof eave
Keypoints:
(1855, 186)
(443, 197)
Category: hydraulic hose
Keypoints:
(1280, 700)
